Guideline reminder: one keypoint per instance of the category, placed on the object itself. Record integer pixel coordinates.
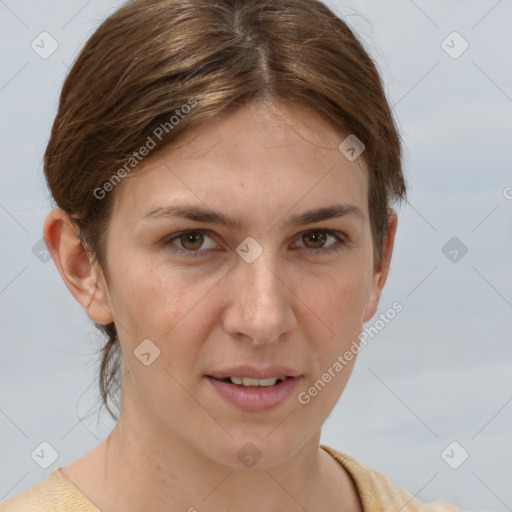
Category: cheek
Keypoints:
(153, 299)
(176, 306)
(156, 303)
(172, 310)
(338, 299)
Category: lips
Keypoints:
(254, 373)
(255, 398)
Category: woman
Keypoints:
(223, 173)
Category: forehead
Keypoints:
(261, 160)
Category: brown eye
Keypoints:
(317, 239)
(192, 240)
(321, 242)
(196, 243)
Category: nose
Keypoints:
(260, 301)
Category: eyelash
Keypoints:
(316, 252)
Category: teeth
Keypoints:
(247, 381)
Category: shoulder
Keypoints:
(379, 494)
(55, 493)
(35, 498)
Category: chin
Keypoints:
(252, 450)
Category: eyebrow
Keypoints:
(205, 215)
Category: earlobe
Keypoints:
(379, 278)
(82, 278)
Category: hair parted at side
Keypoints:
(151, 57)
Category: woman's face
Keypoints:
(272, 293)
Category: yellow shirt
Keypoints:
(378, 493)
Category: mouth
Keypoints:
(252, 394)
(251, 382)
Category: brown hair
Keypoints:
(152, 57)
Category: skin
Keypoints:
(176, 442)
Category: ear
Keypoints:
(379, 277)
(83, 279)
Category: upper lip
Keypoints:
(255, 373)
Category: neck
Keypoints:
(142, 465)
(169, 475)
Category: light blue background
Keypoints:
(441, 371)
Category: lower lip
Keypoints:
(257, 398)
